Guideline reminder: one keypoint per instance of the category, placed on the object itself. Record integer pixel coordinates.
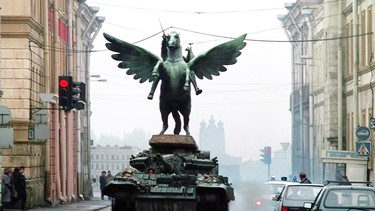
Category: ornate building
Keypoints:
(332, 86)
(111, 158)
(212, 138)
(41, 40)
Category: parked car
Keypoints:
(264, 202)
(294, 196)
(344, 197)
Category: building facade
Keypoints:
(332, 55)
(36, 47)
(111, 158)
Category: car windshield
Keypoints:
(350, 198)
(302, 193)
(275, 188)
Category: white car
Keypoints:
(294, 196)
(264, 202)
(343, 198)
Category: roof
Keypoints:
(279, 182)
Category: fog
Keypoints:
(251, 98)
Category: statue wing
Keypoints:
(137, 60)
(212, 61)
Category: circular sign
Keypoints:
(363, 133)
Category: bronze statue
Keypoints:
(175, 71)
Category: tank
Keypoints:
(173, 175)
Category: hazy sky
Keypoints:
(251, 98)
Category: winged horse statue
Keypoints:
(175, 71)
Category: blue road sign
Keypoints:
(363, 133)
(363, 148)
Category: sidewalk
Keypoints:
(88, 205)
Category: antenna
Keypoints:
(162, 28)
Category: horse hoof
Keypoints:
(198, 92)
(186, 87)
(150, 96)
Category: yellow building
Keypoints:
(41, 40)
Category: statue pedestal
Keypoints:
(171, 143)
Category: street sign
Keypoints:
(363, 133)
(285, 145)
(5, 115)
(6, 135)
(41, 131)
(372, 123)
(31, 133)
(363, 148)
(41, 116)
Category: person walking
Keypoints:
(20, 186)
(303, 178)
(103, 183)
(6, 189)
(109, 177)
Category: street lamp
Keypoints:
(100, 80)
(95, 76)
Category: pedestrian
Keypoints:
(14, 192)
(345, 180)
(109, 177)
(20, 186)
(103, 183)
(6, 189)
(303, 178)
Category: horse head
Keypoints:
(173, 41)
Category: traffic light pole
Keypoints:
(269, 171)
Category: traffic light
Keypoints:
(65, 92)
(78, 95)
(71, 93)
(266, 155)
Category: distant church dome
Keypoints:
(203, 123)
(220, 124)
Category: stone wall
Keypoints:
(32, 156)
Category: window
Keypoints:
(362, 40)
(347, 64)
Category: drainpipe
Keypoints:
(47, 79)
(340, 74)
(79, 77)
(1, 95)
(70, 114)
(355, 71)
(59, 116)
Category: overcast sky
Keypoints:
(251, 98)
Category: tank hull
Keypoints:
(183, 179)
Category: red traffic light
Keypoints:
(63, 83)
